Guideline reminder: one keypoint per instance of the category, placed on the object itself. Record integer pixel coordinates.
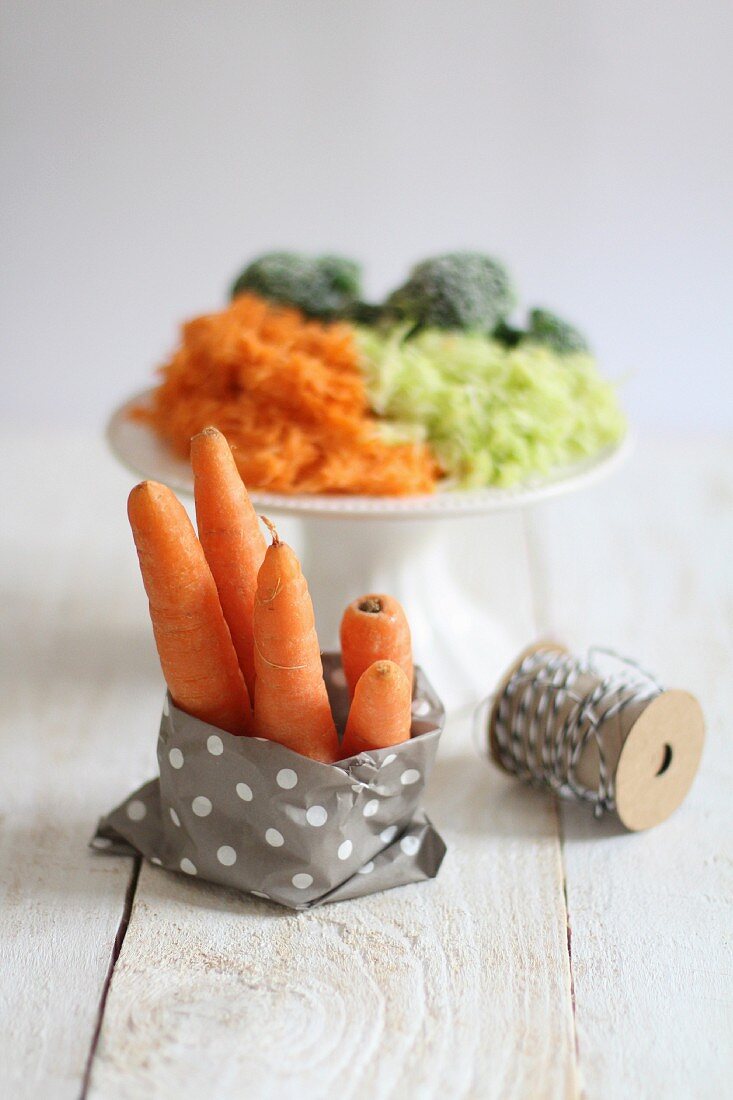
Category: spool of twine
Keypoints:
(615, 739)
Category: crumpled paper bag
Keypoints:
(251, 814)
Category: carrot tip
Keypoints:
(146, 489)
(372, 605)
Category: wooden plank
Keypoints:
(458, 987)
(644, 565)
(77, 682)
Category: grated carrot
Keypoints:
(290, 397)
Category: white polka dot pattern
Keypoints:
(316, 816)
(287, 779)
(248, 813)
(421, 707)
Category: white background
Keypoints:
(152, 146)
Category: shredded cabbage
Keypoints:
(492, 415)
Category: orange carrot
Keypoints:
(231, 537)
(374, 628)
(291, 702)
(291, 397)
(381, 711)
(194, 645)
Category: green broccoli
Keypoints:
(549, 329)
(365, 313)
(459, 290)
(508, 335)
(320, 286)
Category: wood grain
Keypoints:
(459, 987)
(75, 680)
(644, 565)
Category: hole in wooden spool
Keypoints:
(666, 760)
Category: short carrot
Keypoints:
(374, 628)
(291, 702)
(381, 710)
(232, 539)
(195, 649)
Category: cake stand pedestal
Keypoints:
(462, 583)
(456, 560)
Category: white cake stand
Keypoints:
(458, 581)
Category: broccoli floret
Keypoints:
(460, 290)
(549, 329)
(365, 313)
(508, 335)
(320, 286)
(343, 275)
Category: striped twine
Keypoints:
(542, 750)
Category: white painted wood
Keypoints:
(77, 685)
(454, 988)
(644, 565)
(459, 987)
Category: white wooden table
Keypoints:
(552, 957)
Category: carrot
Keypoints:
(291, 397)
(291, 702)
(374, 628)
(231, 537)
(381, 711)
(194, 645)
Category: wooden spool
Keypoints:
(652, 747)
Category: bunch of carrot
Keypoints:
(234, 624)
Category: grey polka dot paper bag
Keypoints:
(254, 815)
